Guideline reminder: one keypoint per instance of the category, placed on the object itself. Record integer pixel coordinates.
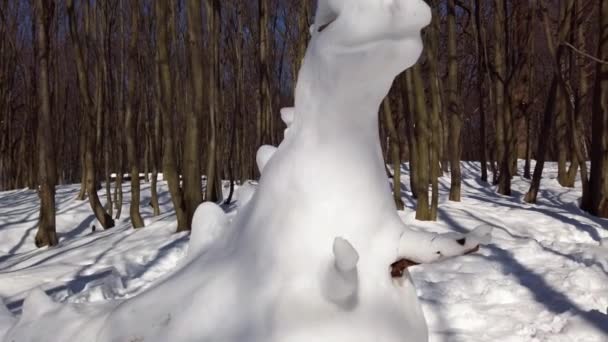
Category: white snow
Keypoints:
(263, 155)
(543, 278)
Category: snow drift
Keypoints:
(308, 257)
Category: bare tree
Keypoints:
(192, 170)
(395, 151)
(162, 11)
(597, 200)
(131, 119)
(46, 235)
(454, 107)
(90, 139)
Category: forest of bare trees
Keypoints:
(91, 91)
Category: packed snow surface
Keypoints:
(543, 278)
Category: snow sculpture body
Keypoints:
(308, 257)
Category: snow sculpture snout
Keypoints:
(372, 20)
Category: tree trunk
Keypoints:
(432, 39)
(503, 133)
(46, 235)
(155, 152)
(131, 120)
(422, 131)
(409, 110)
(597, 200)
(265, 104)
(192, 170)
(548, 115)
(90, 141)
(169, 157)
(395, 152)
(455, 121)
(213, 27)
(480, 49)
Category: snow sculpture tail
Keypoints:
(423, 247)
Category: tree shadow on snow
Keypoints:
(551, 299)
(559, 214)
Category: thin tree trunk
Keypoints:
(46, 234)
(395, 152)
(192, 170)
(548, 115)
(480, 41)
(455, 120)
(503, 143)
(410, 109)
(131, 120)
(597, 200)
(422, 131)
(169, 157)
(213, 27)
(83, 81)
(432, 40)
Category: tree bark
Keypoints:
(597, 200)
(454, 107)
(213, 27)
(395, 152)
(480, 49)
(422, 131)
(90, 141)
(46, 234)
(192, 170)
(503, 132)
(548, 115)
(131, 120)
(169, 158)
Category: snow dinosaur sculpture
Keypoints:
(308, 257)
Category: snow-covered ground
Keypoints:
(544, 277)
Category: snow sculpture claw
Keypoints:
(264, 154)
(422, 248)
(342, 280)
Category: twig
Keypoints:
(585, 54)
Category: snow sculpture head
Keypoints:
(308, 257)
(372, 40)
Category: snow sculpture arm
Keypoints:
(423, 248)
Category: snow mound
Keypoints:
(208, 224)
(6, 319)
(36, 305)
